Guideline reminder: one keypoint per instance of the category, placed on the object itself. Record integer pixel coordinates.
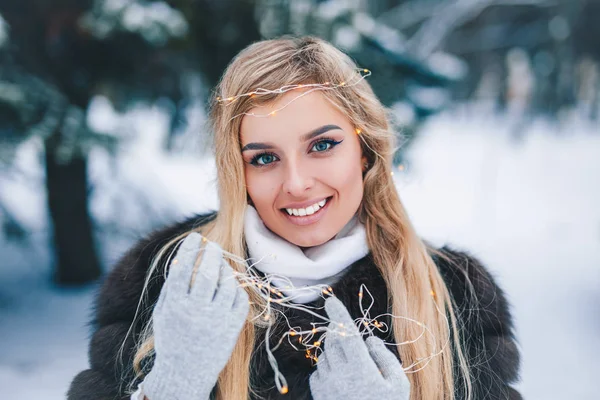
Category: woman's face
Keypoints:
(305, 160)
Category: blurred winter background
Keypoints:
(103, 138)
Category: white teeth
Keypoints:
(308, 210)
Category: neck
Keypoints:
(306, 268)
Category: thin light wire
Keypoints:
(262, 285)
(362, 74)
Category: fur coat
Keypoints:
(485, 321)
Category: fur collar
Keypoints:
(484, 319)
(293, 363)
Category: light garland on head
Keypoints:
(362, 74)
(312, 339)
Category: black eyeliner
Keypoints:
(331, 141)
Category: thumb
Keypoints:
(386, 361)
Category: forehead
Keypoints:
(303, 114)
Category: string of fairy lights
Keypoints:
(363, 73)
(310, 340)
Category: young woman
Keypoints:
(303, 149)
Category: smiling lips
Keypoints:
(308, 215)
(310, 210)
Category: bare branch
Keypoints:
(407, 14)
(450, 16)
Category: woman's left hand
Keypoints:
(353, 369)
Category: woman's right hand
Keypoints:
(196, 325)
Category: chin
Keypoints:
(304, 241)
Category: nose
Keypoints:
(297, 180)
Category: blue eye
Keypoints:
(263, 159)
(325, 145)
(266, 159)
(321, 146)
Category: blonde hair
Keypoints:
(415, 286)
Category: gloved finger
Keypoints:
(386, 361)
(324, 363)
(207, 277)
(161, 300)
(334, 350)
(226, 287)
(337, 312)
(241, 302)
(343, 331)
(182, 266)
(314, 381)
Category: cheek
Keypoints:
(343, 175)
(260, 188)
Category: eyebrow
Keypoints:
(306, 137)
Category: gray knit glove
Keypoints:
(195, 329)
(349, 367)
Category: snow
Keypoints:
(153, 20)
(530, 211)
(428, 98)
(525, 202)
(448, 65)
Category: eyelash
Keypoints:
(330, 141)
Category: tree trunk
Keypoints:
(76, 261)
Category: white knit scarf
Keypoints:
(323, 264)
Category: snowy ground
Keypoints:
(529, 209)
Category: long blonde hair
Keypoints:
(415, 286)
